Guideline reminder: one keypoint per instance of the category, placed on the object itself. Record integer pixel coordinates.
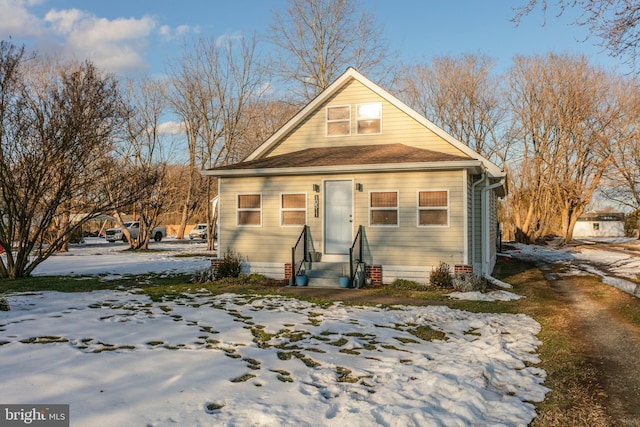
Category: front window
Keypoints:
(369, 118)
(383, 208)
(293, 209)
(249, 209)
(339, 121)
(433, 208)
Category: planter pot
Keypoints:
(315, 256)
(302, 280)
(343, 281)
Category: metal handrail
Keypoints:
(304, 239)
(355, 253)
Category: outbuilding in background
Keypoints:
(600, 224)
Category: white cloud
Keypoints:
(64, 21)
(169, 33)
(116, 45)
(171, 128)
(17, 21)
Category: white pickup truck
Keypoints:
(115, 234)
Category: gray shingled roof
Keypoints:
(349, 155)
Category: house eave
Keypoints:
(474, 166)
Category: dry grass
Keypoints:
(576, 398)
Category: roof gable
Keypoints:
(348, 77)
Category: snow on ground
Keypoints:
(612, 266)
(119, 358)
(96, 256)
(485, 296)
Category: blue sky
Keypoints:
(138, 36)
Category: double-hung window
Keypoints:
(249, 210)
(383, 208)
(369, 118)
(293, 209)
(433, 208)
(339, 120)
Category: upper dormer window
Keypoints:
(369, 118)
(339, 120)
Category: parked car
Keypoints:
(115, 234)
(200, 232)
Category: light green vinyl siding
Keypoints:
(476, 227)
(397, 126)
(406, 244)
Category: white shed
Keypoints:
(600, 224)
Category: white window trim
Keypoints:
(327, 121)
(397, 208)
(238, 210)
(306, 213)
(434, 208)
(358, 119)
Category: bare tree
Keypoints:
(614, 22)
(215, 83)
(622, 182)
(461, 96)
(57, 121)
(260, 120)
(187, 93)
(150, 153)
(563, 115)
(319, 39)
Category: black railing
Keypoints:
(356, 254)
(300, 252)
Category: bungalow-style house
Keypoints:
(600, 224)
(359, 180)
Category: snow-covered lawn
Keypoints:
(614, 267)
(120, 359)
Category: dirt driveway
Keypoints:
(611, 342)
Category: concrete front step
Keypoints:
(325, 274)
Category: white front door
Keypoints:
(338, 216)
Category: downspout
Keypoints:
(483, 177)
(486, 244)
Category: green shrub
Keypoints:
(256, 279)
(404, 284)
(230, 266)
(469, 283)
(206, 275)
(441, 276)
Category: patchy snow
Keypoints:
(119, 358)
(485, 296)
(96, 256)
(614, 266)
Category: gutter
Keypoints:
(312, 170)
(485, 229)
(482, 179)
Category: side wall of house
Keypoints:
(493, 230)
(476, 227)
(405, 251)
